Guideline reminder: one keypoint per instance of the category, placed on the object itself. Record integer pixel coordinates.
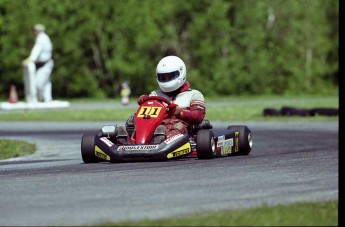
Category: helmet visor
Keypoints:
(166, 77)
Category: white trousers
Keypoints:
(43, 83)
(29, 82)
(38, 86)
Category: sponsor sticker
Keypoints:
(229, 142)
(185, 149)
(237, 141)
(99, 153)
(225, 150)
(221, 138)
(137, 147)
(107, 141)
(220, 143)
(173, 138)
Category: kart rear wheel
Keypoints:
(88, 148)
(205, 145)
(244, 138)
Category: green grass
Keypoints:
(15, 148)
(297, 214)
(239, 109)
(225, 113)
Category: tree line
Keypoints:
(229, 46)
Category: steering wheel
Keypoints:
(171, 106)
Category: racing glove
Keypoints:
(177, 112)
(142, 99)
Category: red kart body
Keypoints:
(139, 145)
(148, 117)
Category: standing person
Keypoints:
(41, 55)
(171, 76)
(125, 91)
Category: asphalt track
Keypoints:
(289, 162)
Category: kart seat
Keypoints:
(121, 135)
(130, 127)
(205, 124)
(159, 134)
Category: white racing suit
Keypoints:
(43, 83)
(192, 109)
(41, 55)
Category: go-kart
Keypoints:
(208, 143)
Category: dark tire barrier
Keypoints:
(271, 112)
(325, 111)
(293, 111)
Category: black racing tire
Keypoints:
(245, 138)
(205, 144)
(88, 148)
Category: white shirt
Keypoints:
(43, 48)
(184, 99)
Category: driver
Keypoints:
(171, 74)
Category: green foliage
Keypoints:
(229, 46)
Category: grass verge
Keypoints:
(15, 148)
(231, 109)
(243, 113)
(296, 214)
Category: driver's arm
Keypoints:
(195, 114)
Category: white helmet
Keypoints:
(171, 73)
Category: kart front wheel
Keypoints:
(205, 145)
(244, 138)
(88, 148)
